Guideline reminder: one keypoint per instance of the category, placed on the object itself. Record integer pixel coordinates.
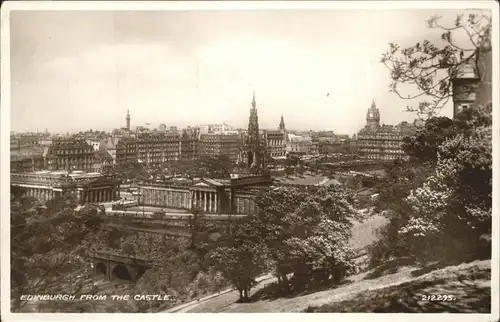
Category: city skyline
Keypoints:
(173, 67)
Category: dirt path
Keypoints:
(357, 286)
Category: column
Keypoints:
(212, 199)
(202, 200)
(205, 199)
(216, 206)
(210, 204)
(192, 199)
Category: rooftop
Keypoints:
(58, 174)
(307, 181)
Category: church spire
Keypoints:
(282, 123)
(254, 103)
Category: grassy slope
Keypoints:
(468, 284)
(392, 287)
(400, 291)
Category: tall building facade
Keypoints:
(154, 149)
(70, 154)
(215, 145)
(189, 144)
(126, 151)
(275, 143)
(375, 142)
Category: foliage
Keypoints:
(453, 206)
(242, 259)
(439, 205)
(49, 245)
(306, 233)
(423, 146)
(430, 68)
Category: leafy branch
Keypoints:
(430, 68)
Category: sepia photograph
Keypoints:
(250, 157)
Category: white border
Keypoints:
(223, 5)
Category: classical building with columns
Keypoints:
(86, 187)
(234, 196)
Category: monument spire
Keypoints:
(127, 119)
(254, 103)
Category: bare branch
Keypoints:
(430, 68)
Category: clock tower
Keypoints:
(373, 117)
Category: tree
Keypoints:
(423, 146)
(306, 232)
(454, 205)
(242, 259)
(46, 247)
(431, 68)
(446, 213)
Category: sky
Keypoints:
(320, 69)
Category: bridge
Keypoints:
(120, 266)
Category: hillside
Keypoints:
(372, 291)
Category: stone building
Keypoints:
(375, 142)
(24, 141)
(154, 149)
(275, 143)
(299, 144)
(234, 196)
(126, 151)
(221, 128)
(189, 144)
(472, 84)
(69, 154)
(85, 187)
(215, 145)
(27, 159)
